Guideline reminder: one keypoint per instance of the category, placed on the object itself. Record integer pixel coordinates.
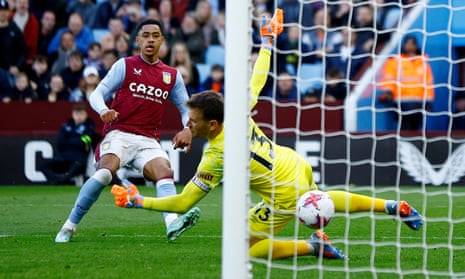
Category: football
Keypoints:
(315, 209)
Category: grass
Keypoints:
(128, 243)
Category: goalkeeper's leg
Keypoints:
(349, 202)
(317, 245)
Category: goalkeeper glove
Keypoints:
(127, 197)
(269, 29)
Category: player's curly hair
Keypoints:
(210, 103)
(150, 22)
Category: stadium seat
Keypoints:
(310, 76)
(99, 33)
(215, 54)
(204, 72)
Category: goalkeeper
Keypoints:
(278, 174)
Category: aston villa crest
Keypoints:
(166, 77)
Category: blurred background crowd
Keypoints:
(58, 50)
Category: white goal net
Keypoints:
(372, 117)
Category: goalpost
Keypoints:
(236, 172)
(356, 146)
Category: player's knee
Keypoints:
(103, 176)
(156, 171)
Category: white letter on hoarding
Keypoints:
(305, 148)
(30, 150)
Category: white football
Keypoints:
(315, 209)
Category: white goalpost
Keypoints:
(356, 144)
(236, 172)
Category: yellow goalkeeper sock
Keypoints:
(349, 202)
(280, 248)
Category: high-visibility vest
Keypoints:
(409, 78)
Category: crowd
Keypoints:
(59, 49)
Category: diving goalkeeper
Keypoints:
(278, 174)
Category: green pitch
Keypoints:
(127, 243)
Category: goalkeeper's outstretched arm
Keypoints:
(269, 30)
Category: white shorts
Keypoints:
(132, 149)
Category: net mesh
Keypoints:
(345, 115)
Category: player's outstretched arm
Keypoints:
(269, 31)
(180, 203)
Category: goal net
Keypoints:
(373, 118)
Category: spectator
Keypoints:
(347, 57)
(171, 24)
(58, 91)
(286, 89)
(261, 6)
(340, 12)
(94, 56)
(203, 16)
(193, 36)
(46, 32)
(82, 34)
(116, 27)
(407, 81)
(58, 7)
(321, 39)
(218, 34)
(335, 88)
(13, 49)
(86, 85)
(22, 90)
(6, 87)
(72, 74)
(134, 14)
(186, 77)
(106, 10)
(296, 12)
(180, 56)
(122, 46)
(458, 119)
(388, 13)
(59, 58)
(163, 53)
(293, 51)
(29, 25)
(85, 8)
(215, 81)
(108, 58)
(365, 27)
(73, 146)
(180, 7)
(39, 76)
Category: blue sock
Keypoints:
(165, 187)
(89, 193)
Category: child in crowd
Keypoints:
(94, 56)
(215, 81)
(58, 91)
(22, 90)
(39, 75)
(87, 85)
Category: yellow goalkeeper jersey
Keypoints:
(278, 174)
